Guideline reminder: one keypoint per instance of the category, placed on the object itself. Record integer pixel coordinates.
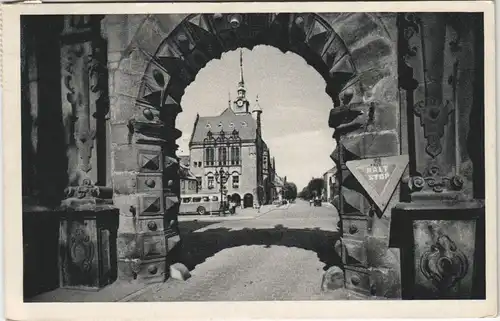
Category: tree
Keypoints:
(290, 191)
(314, 188)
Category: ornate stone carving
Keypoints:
(409, 24)
(82, 250)
(85, 83)
(433, 117)
(98, 82)
(444, 264)
(85, 190)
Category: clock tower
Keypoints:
(241, 104)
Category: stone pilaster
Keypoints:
(438, 66)
(366, 123)
(145, 175)
(85, 109)
(88, 221)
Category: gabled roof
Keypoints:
(333, 170)
(228, 121)
(278, 181)
(185, 173)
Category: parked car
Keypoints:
(317, 201)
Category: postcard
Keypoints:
(249, 160)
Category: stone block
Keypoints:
(127, 204)
(149, 35)
(357, 279)
(126, 83)
(369, 78)
(378, 253)
(381, 225)
(125, 158)
(143, 158)
(127, 268)
(364, 27)
(386, 117)
(120, 134)
(150, 224)
(141, 245)
(134, 61)
(385, 283)
(127, 224)
(372, 54)
(129, 246)
(333, 279)
(124, 182)
(354, 201)
(356, 252)
(356, 226)
(122, 108)
(146, 272)
(372, 144)
(387, 90)
(179, 271)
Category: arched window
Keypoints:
(222, 155)
(209, 156)
(235, 155)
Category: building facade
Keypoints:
(232, 141)
(329, 185)
(189, 183)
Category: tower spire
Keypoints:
(229, 98)
(242, 82)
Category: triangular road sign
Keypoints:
(379, 176)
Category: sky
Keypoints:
(293, 99)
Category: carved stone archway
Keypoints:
(355, 53)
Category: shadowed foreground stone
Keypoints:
(179, 271)
(333, 279)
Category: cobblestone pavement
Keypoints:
(279, 255)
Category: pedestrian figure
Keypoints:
(310, 202)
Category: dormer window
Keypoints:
(208, 126)
(244, 123)
(231, 125)
(220, 125)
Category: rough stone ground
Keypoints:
(279, 255)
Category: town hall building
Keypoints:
(232, 141)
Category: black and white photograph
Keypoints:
(253, 156)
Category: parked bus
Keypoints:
(201, 204)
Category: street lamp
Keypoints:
(221, 178)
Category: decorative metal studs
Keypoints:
(152, 226)
(159, 78)
(152, 269)
(148, 114)
(150, 182)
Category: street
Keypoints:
(280, 254)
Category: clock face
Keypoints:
(239, 103)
